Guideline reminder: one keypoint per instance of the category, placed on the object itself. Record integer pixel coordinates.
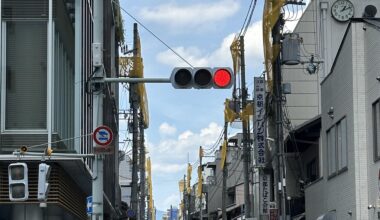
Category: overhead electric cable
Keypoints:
(154, 35)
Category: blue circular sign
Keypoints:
(130, 213)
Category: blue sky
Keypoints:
(182, 120)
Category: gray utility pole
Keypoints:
(97, 182)
(142, 169)
(225, 175)
(133, 99)
(277, 87)
(246, 136)
(184, 198)
(188, 205)
(200, 197)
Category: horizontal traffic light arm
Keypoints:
(131, 80)
(53, 155)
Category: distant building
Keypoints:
(172, 213)
(212, 185)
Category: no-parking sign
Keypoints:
(103, 135)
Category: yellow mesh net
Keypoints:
(223, 154)
(272, 9)
(200, 181)
(189, 170)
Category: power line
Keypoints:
(248, 18)
(154, 35)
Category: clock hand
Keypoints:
(343, 9)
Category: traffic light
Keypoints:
(202, 78)
(43, 184)
(18, 181)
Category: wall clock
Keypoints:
(342, 10)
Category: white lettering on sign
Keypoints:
(264, 194)
(260, 122)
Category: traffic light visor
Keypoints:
(222, 78)
(17, 172)
(202, 78)
(18, 190)
(182, 77)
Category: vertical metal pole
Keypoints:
(188, 205)
(246, 138)
(225, 175)
(49, 114)
(279, 118)
(171, 212)
(97, 183)
(78, 75)
(133, 100)
(184, 198)
(201, 196)
(142, 169)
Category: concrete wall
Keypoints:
(321, 36)
(337, 93)
(303, 103)
(344, 91)
(372, 62)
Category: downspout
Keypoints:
(50, 74)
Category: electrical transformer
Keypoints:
(291, 49)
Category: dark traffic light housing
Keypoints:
(202, 78)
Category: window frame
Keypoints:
(3, 88)
(375, 128)
(338, 169)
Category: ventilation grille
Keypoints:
(63, 190)
(25, 8)
(11, 142)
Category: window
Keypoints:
(312, 170)
(231, 195)
(25, 75)
(376, 129)
(337, 147)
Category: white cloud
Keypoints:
(173, 199)
(192, 54)
(191, 15)
(220, 56)
(168, 153)
(166, 129)
(293, 16)
(164, 168)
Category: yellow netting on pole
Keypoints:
(200, 181)
(272, 10)
(149, 171)
(137, 71)
(229, 114)
(181, 185)
(189, 170)
(235, 53)
(223, 154)
(247, 112)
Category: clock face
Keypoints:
(342, 10)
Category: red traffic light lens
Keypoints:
(222, 78)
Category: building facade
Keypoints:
(332, 124)
(46, 65)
